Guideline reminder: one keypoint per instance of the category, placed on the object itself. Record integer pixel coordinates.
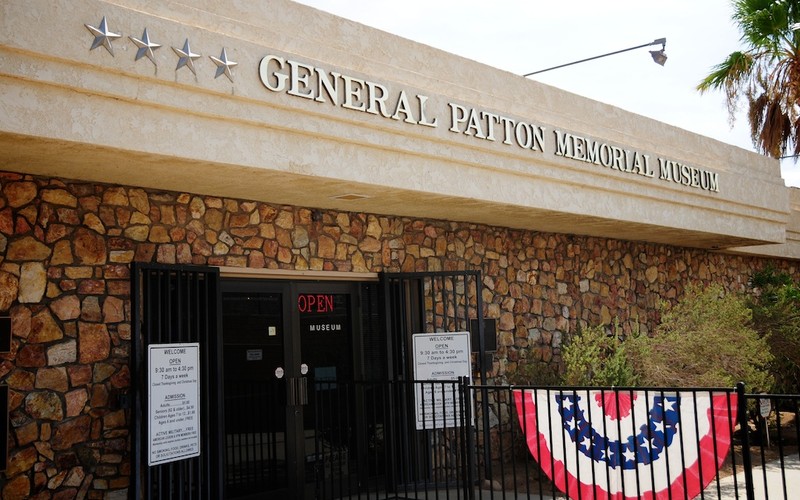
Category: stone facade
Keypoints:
(66, 246)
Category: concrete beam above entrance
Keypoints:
(322, 112)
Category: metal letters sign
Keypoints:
(173, 402)
(439, 357)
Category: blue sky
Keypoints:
(524, 36)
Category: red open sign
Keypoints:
(315, 303)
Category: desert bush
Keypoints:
(705, 340)
(596, 356)
(775, 303)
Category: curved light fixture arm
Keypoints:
(660, 58)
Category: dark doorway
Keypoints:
(290, 354)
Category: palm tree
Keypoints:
(766, 73)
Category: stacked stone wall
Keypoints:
(65, 253)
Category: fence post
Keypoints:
(468, 465)
(744, 427)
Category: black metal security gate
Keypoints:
(429, 302)
(177, 304)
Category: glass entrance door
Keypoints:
(255, 326)
(326, 355)
(288, 356)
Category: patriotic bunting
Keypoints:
(596, 444)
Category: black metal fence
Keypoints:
(404, 440)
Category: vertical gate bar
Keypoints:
(175, 334)
(550, 432)
(605, 433)
(780, 446)
(136, 376)
(349, 400)
(215, 360)
(577, 437)
(390, 437)
(666, 455)
(461, 439)
(469, 477)
(538, 423)
(407, 437)
(630, 395)
(796, 420)
(386, 297)
(509, 397)
(762, 448)
(158, 337)
(500, 447)
(746, 459)
(154, 338)
(683, 442)
(651, 461)
(385, 389)
(441, 296)
(697, 433)
(716, 448)
(186, 467)
(456, 316)
(423, 461)
(434, 439)
(456, 440)
(563, 434)
(591, 441)
(731, 422)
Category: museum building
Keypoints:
(269, 201)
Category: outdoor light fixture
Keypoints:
(659, 56)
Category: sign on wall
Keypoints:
(173, 402)
(439, 357)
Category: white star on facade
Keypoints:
(224, 65)
(102, 36)
(146, 47)
(186, 57)
(586, 442)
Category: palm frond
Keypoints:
(766, 73)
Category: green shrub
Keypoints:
(532, 372)
(705, 340)
(593, 356)
(775, 303)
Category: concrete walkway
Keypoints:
(772, 488)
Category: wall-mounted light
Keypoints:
(659, 56)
